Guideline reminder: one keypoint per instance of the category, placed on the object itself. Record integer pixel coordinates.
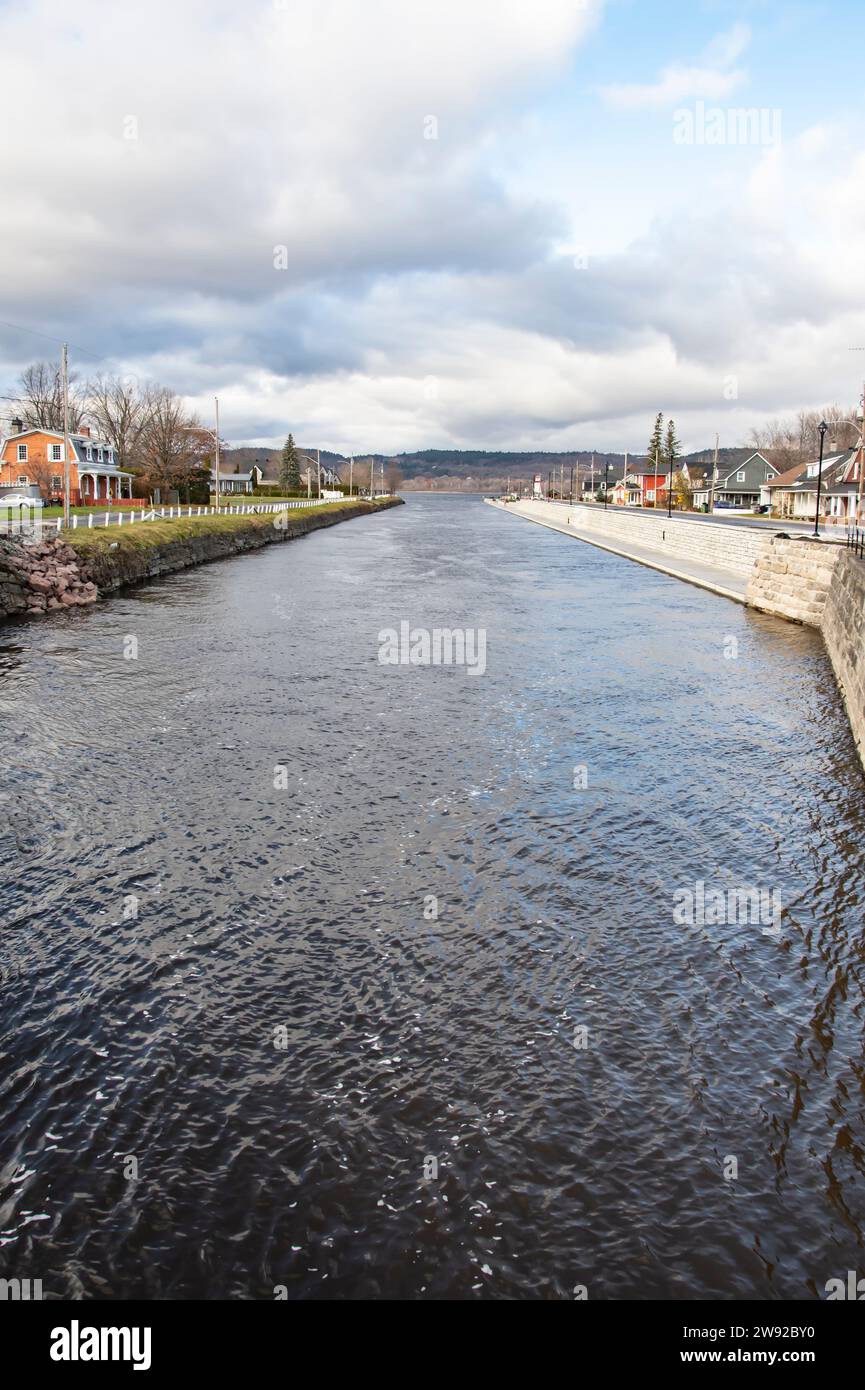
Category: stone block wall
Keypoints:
(792, 578)
(734, 548)
(844, 634)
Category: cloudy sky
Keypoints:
(392, 224)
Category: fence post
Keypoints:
(75, 521)
(107, 518)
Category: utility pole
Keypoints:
(64, 366)
(216, 452)
(371, 477)
(318, 470)
(593, 478)
(861, 465)
(714, 479)
(351, 476)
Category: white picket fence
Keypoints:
(172, 513)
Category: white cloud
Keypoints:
(709, 79)
(423, 300)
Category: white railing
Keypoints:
(174, 513)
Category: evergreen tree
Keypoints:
(672, 447)
(289, 468)
(656, 443)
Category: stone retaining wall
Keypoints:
(844, 634)
(792, 578)
(734, 548)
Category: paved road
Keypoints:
(720, 519)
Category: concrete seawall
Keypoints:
(725, 547)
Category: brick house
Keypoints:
(29, 456)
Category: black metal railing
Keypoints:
(856, 540)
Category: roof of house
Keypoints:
(725, 476)
(790, 476)
(77, 439)
(797, 479)
(80, 444)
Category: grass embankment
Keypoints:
(152, 535)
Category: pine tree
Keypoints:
(656, 443)
(672, 447)
(289, 468)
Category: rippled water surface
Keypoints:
(167, 909)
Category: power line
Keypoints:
(49, 337)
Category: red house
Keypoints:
(36, 456)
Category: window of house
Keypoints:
(23, 480)
(56, 482)
(89, 454)
(22, 453)
(99, 455)
(740, 477)
(56, 453)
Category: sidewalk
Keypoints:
(717, 581)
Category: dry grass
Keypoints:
(149, 535)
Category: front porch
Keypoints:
(97, 485)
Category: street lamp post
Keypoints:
(215, 453)
(822, 427)
(606, 472)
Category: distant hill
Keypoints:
(466, 469)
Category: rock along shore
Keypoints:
(75, 570)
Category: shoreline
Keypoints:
(78, 568)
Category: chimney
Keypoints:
(85, 430)
(17, 425)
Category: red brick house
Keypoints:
(36, 456)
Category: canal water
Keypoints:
(353, 980)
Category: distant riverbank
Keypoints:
(77, 568)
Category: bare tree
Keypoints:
(797, 438)
(174, 444)
(40, 398)
(120, 410)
